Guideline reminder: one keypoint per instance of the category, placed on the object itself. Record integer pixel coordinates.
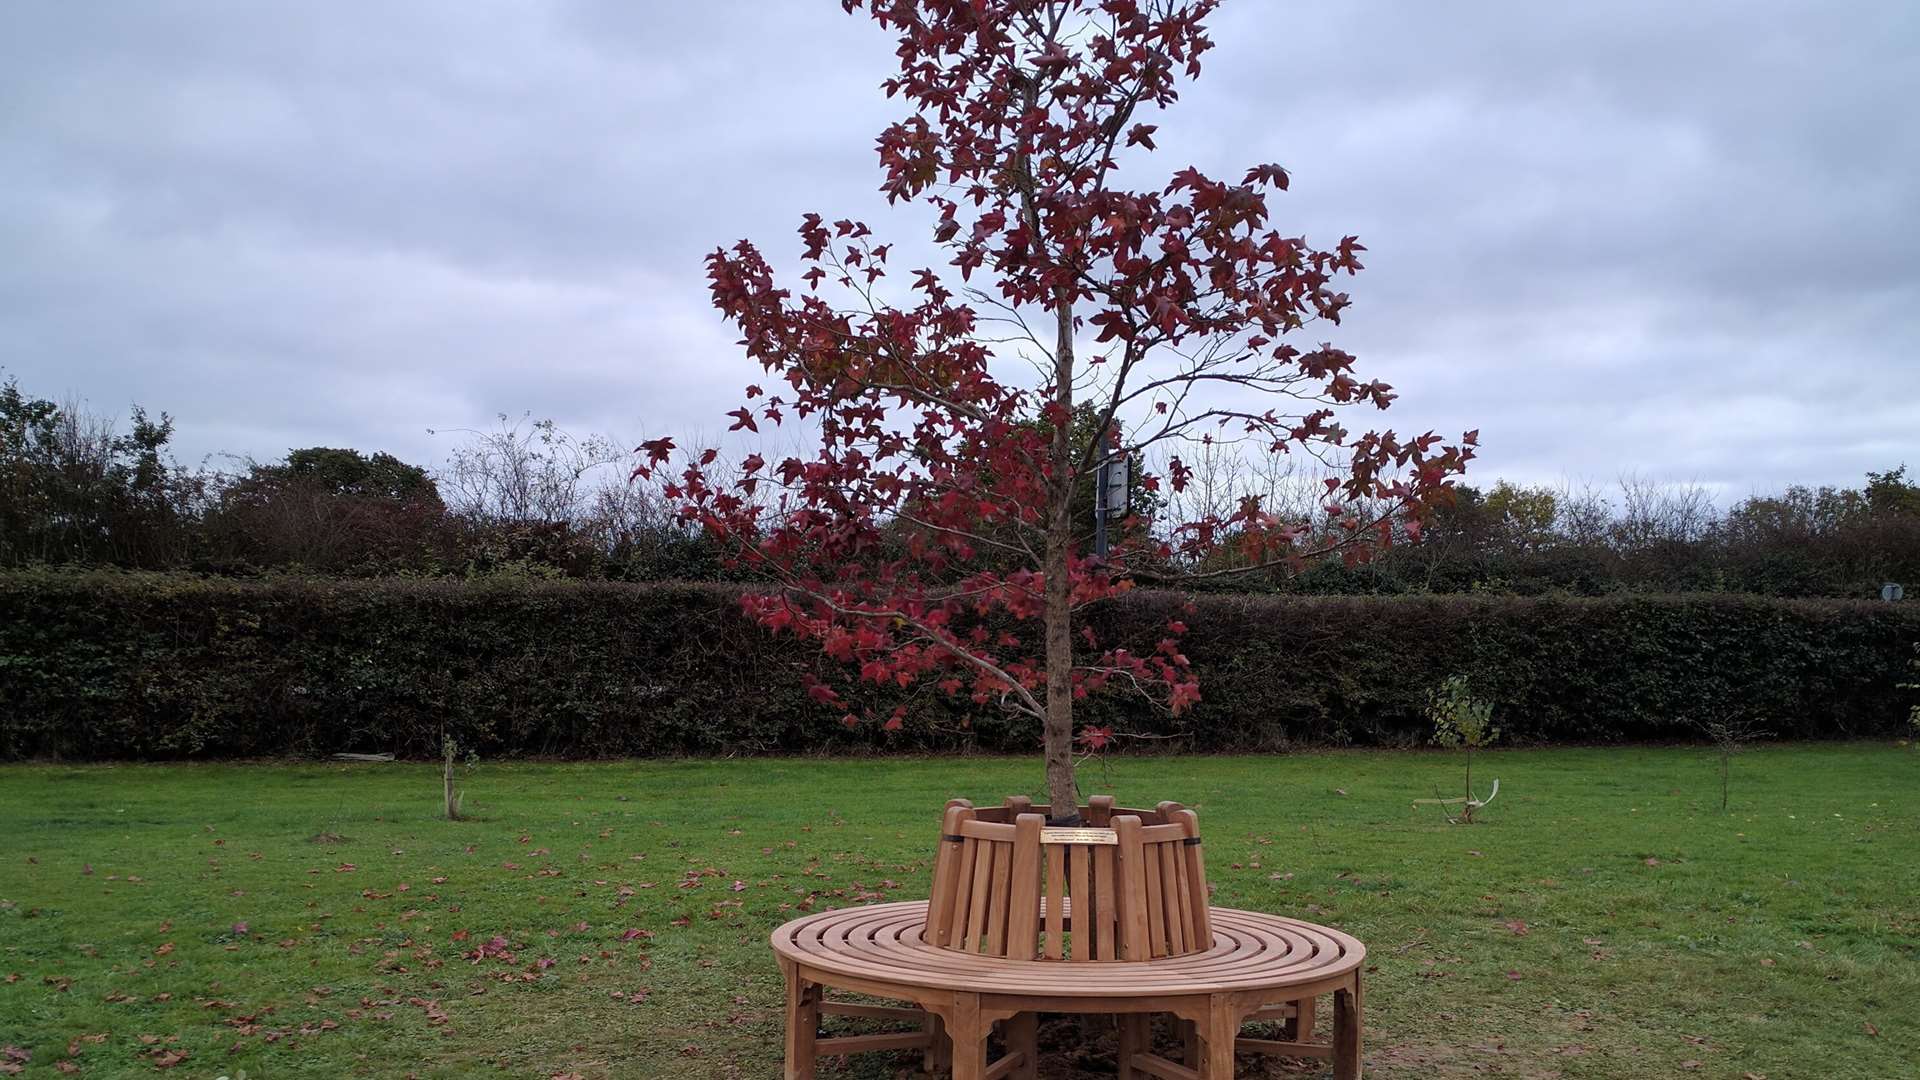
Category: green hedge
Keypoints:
(135, 666)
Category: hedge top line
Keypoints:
(159, 584)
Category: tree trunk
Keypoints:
(1062, 792)
(1057, 732)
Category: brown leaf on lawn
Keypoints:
(75, 1044)
(1869, 1028)
(1518, 926)
(1691, 1064)
(1514, 975)
(164, 949)
(167, 1059)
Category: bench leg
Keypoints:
(969, 1038)
(934, 1058)
(803, 1024)
(1300, 1028)
(1223, 1027)
(1189, 1043)
(1023, 1037)
(1346, 1032)
(1136, 1036)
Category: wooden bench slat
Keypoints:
(1156, 902)
(1104, 922)
(1081, 910)
(997, 901)
(1024, 888)
(1056, 902)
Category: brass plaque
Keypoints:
(1079, 836)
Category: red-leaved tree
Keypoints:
(930, 540)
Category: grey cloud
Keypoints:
(1671, 239)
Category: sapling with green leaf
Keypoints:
(1462, 720)
(450, 756)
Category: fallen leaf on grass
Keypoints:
(74, 1045)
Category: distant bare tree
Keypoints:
(525, 470)
(1655, 513)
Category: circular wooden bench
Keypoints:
(1257, 967)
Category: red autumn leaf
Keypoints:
(1272, 175)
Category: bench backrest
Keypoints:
(1129, 885)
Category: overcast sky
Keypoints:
(1675, 239)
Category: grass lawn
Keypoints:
(1605, 920)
